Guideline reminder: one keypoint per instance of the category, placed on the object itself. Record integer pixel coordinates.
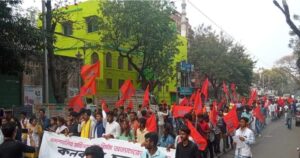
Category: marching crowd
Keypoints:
(25, 134)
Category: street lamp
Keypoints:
(78, 56)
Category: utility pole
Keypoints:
(46, 76)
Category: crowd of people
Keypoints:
(25, 133)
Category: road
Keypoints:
(276, 142)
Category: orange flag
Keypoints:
(89, 88)
(76, 103)
(90, 72)
(151, 124)
(127, 89)
(192, 98)
(180, 111)
(198, 103)
(253, 96)
(257, 113)
(198, 139)
(204, 89)
(225, 89)
(184, 102)
(231, 120)
(146, 100)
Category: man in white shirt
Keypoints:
(112, 128)
(243, 139)
(272, 109)
(161, 122)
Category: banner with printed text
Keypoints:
(60, 146)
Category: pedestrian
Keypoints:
(99, 128)
(167, 139)
(53, 124)
(73, 125)
(94, 151)
(126, 133)
(112, 128)
(186, 148)
(11, 148)
(43, 120)
(161, 114)
(134, 123)
(142, 131)
(289, 117)
(151, 140)
(87, 126)
(35, 132)
(61, 126)
(243, 138)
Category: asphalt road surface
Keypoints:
(276, 142)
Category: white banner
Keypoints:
(60, 146)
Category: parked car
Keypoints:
(297, 116)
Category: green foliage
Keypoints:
(146, 34)
(19, 39)
(220, 59)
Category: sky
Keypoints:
(256, 24)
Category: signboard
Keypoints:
(185, 90)
(33, 95)
(184, 66)
(60, 146)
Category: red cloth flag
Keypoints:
(213, 115)
(146, 100)
(257, 113)
(127, 90)
(77, 103)
(130, 105)
(184, 102)
(265, 98)
(198, 103)
(90, 72)
(233, 90)
(243, 101)
(197, 137)
(221, 103)
(204, 89)
(225, 89)
(231, 120)
(151, 124)
(192, 98)
(253, 96)
(180, 111)
(89, 88)
(104, 106)
(280, 101)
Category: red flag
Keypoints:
(225, 89)
(221, 103)
(130, 105)
(184, 102)
(104, 106)
(76, 103)
(231, 120)
(233, 89)
(204, 89)
(127, 89)
(243, 101)
(253, 96)
(151, 124)
(180, 111)
(192, 98)
(197, 137)
(257, 113)
(265, 98)
(89, 88)
(213, 115)
(198, 103)
(120, 102)
(146, 100)
(89, 72)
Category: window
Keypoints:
(92, 23)
(121, 83)
(129, 66)
(67, 28)
(108, 83)
(120, 62)
(95, 58)
(108, 59)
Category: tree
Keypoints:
(287, 65)
(220, 59)
(286, 12)
(144, 34)
(19, 39)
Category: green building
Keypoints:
(114, 69)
